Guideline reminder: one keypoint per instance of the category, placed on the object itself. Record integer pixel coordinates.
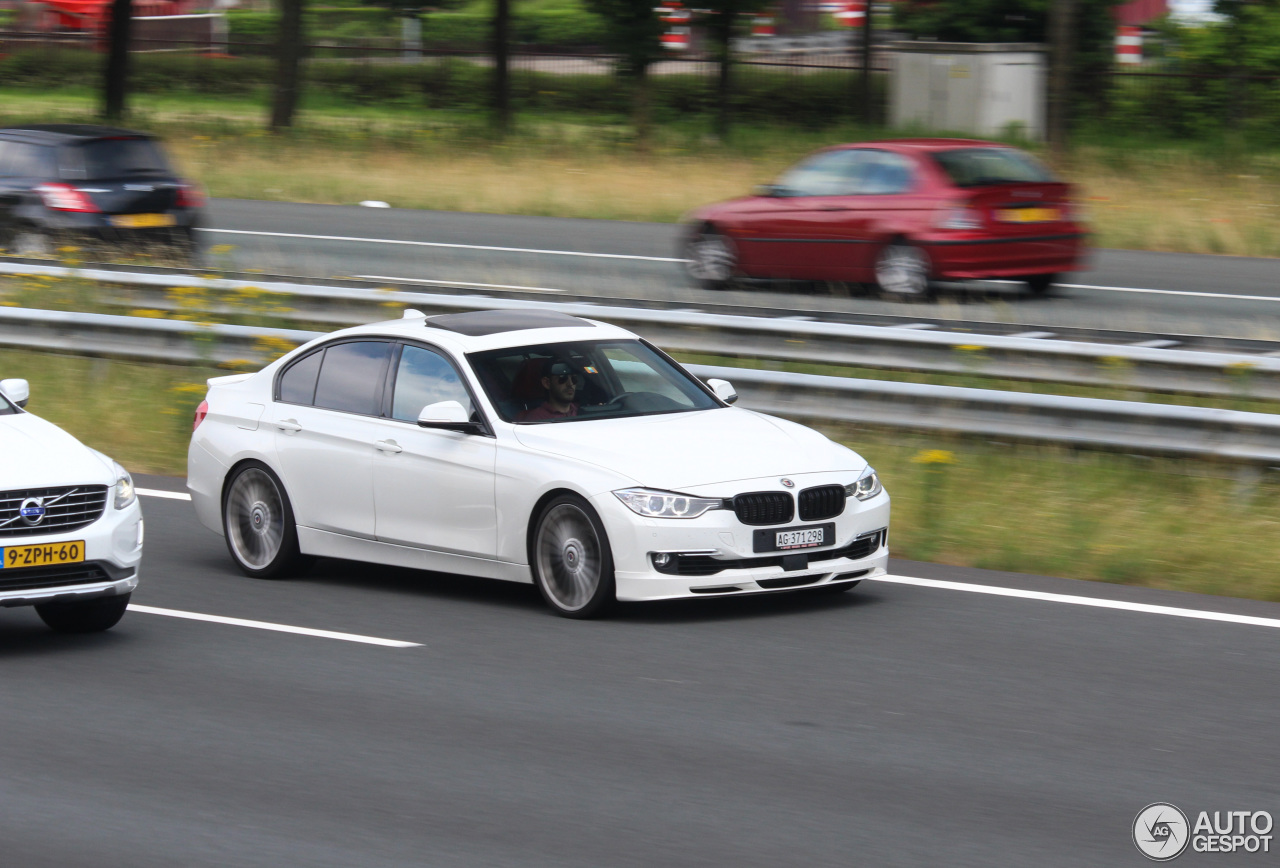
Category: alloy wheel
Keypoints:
(255, 519)
(569, 557)
(712, 259)
(903, 270)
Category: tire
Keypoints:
(902, 271)
(28, 241)
(258, 523)
(712, 258)
(571, 560)
(1040, 284)
(89, 616)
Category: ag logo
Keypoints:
(1161, 832)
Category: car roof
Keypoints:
(938, 144)
(477, 331)
(55, 134)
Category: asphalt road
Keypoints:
(1142, 291)
(895, 725)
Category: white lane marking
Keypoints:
(167, 495)
(1145, 608)
(1171, 292)
(442, 244)
(279, 628)
(457, 283)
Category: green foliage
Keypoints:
(633, 31)
(556, 27)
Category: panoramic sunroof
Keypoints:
(492, 322)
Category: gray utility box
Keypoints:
(977, 88)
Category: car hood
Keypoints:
(39, 454)
(684, 450)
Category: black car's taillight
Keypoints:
(64, 197)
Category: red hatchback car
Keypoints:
(901, 214)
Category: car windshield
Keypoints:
(983, 167)
(107, 159)
(7, 407)
(585, 380)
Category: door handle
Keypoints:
(389, 446)
(289, 426)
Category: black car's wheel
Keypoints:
(88, 616)
(1040, 284)
(712, 258)
(902, 270)
(258, 522)
(571, 561)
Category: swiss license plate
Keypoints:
(1029, 215)
(142, 221)
(791, 538)
(16, 557)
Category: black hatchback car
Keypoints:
(68, 182)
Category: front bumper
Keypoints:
(718, 536)
(112, 554)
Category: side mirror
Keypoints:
(767, 190)
(447, 415)
(17, 391)
(723, 390)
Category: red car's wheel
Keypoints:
(712, 259)
(902, 270)
(1040, 284)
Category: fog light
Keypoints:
(661, 559)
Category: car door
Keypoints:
(327, 420)
(815, 236)
(433, 488)
(888, 201)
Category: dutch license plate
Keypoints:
(142, 221)
(16, 557)
(790, 538)
(1029, 215)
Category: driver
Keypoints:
(562, 386)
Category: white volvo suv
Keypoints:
(70, 525)
(529, 446)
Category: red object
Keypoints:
(676, 17)
(851, 202)
(64, 197)
(1139, 12)
(190, 196)
(851, 13)
(201, 412)
(1128, 44)
(93, 15)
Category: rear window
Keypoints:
(983, 167)
(107, 159)
(23, 160)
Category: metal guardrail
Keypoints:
(1161, 369)
(1146, 428)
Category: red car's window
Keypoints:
(853, 172)
(983, 167)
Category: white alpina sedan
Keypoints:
(70, 524)
(529, 446)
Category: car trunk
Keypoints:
(121, 175)
(1011, 210)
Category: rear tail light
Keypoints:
(64, 197)
(201, 412)
(190, 196)
(960, 218)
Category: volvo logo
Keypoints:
(32, 511)
(787, 482)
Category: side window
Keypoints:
(298, 383)
(351, 377)
(425, 377)
(6, 158)
(22, 160)
(885, 174)
(834, 173)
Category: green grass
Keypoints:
(1115, 518)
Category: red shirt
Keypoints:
(539, 414)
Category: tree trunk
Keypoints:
(115, 84)
(501, 74)
(1061, 45)
(868, 107)
(642, 108)
(723, 33)
(288, 64)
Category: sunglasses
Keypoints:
(576, 379)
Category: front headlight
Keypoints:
(666, 504)
(125, 493)
(867, 486)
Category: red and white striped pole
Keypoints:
(1128, 44)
